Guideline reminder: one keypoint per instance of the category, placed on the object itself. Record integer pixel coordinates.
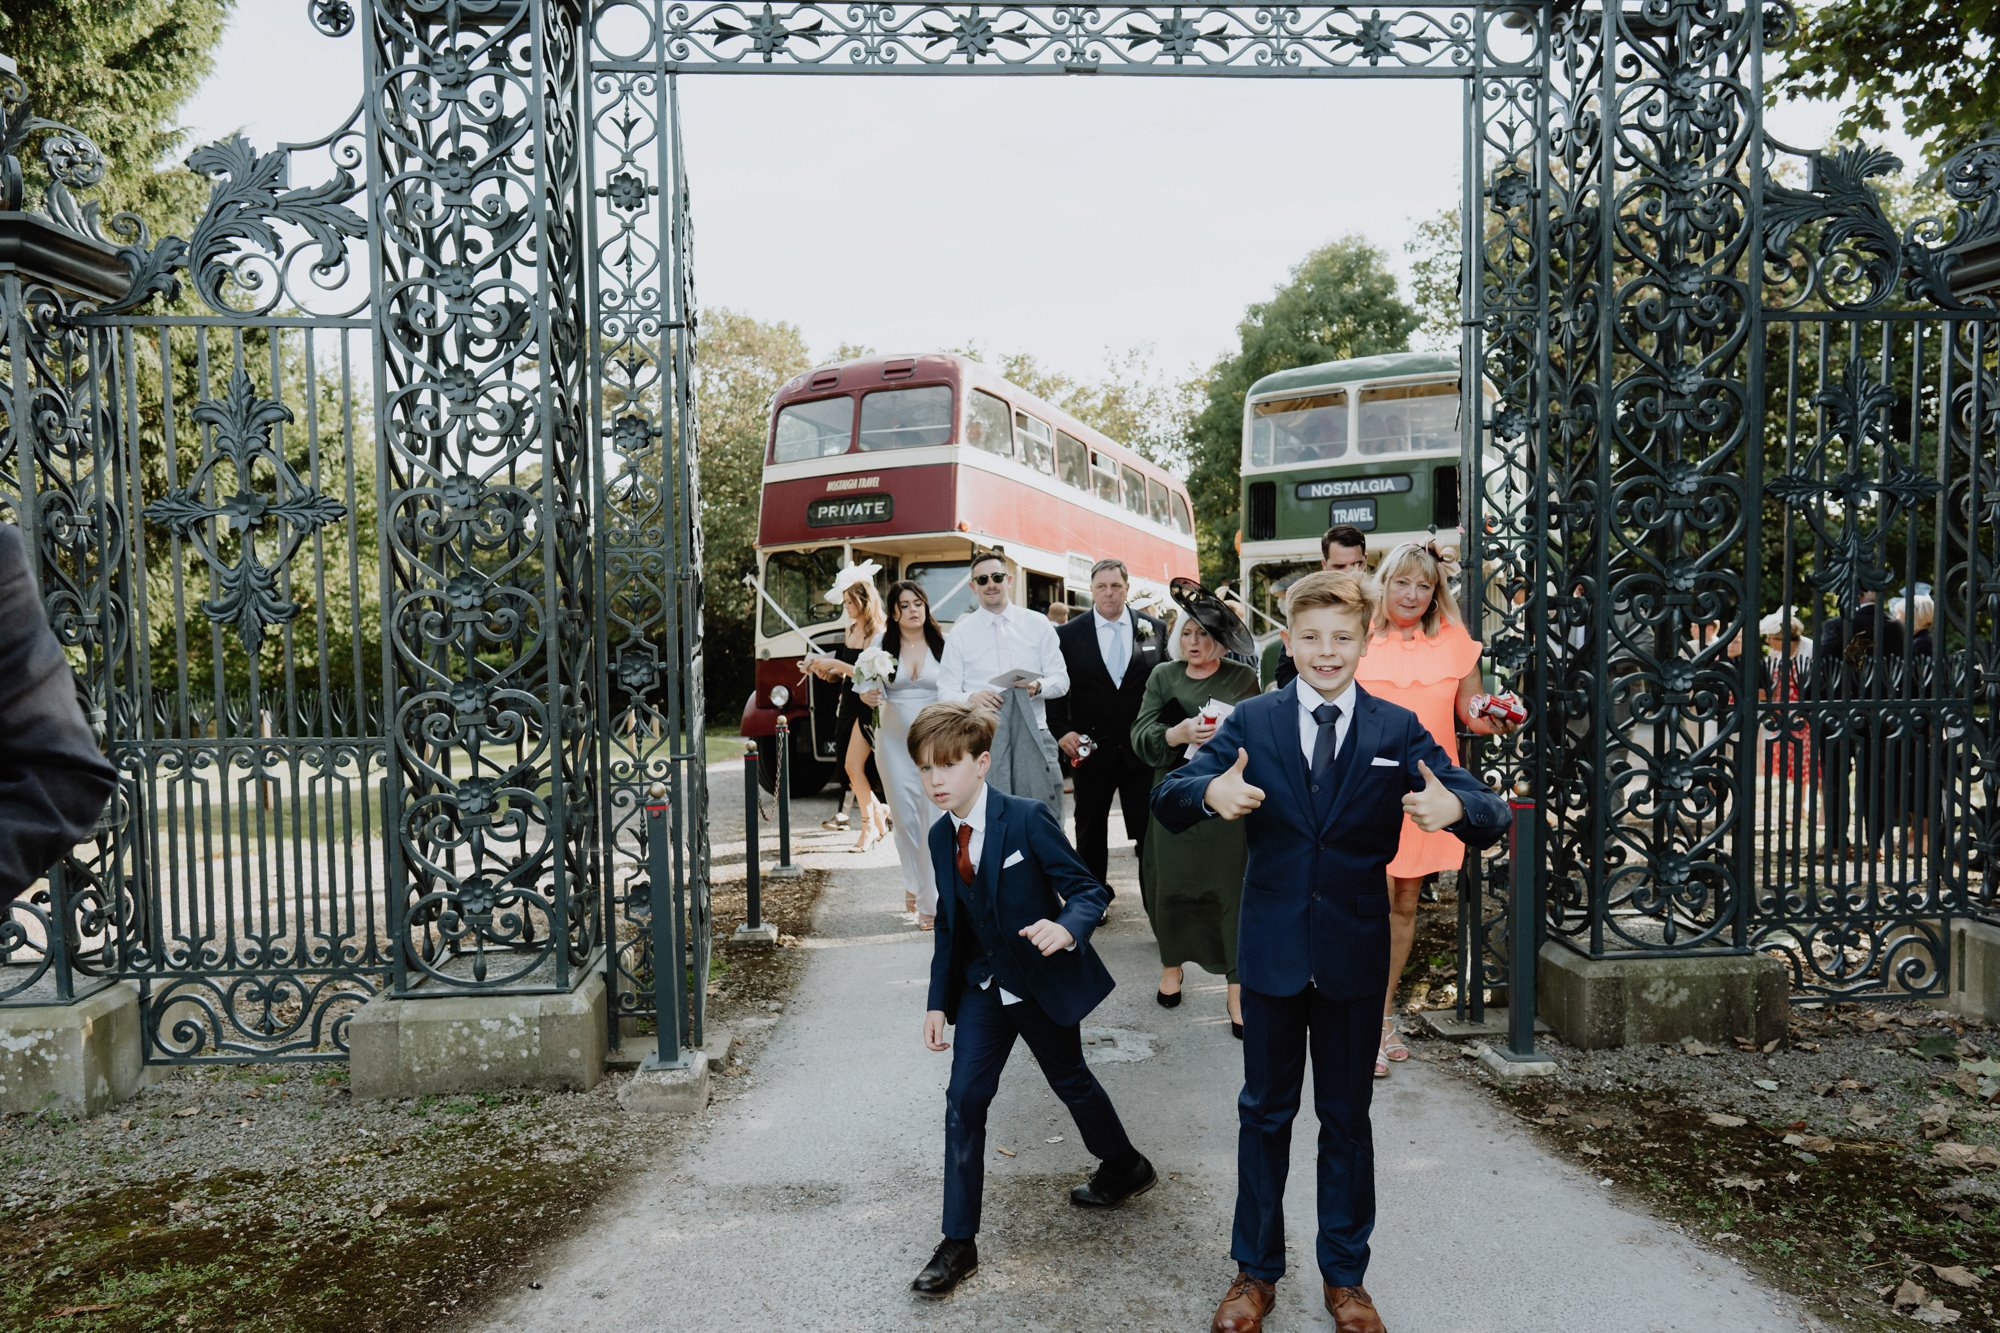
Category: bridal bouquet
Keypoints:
(875, 666)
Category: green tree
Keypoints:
(1436, 249)
(742, 363)
(1339, 302)
(1931, 62)
(119, 71)
(1135, 403)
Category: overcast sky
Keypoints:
(1059, 216)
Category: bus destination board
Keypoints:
(1341, 488)
(1354, 513)
(830, 513)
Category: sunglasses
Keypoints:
(981, 580)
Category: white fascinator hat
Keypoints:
(864, 572)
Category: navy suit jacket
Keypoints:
(1048, 881)
(1315, 893)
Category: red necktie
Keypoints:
(965, 854)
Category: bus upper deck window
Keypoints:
(986, 424)
(906, 418)
(1035, 440)
(1135, 489)
(816, 429)
(1104, 477)
(1156, 502)
(1183, 517)
(1072, 461)
(1299, 430)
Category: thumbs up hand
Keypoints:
(1432, 806)
(1230, 794)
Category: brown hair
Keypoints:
(872, 617)
(948, 732)
(1342, 535)
(1421, 560)
(1325, 588)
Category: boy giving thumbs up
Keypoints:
(1324, 772)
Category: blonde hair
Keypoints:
(1412, 557)
(1917, 613)
(871, 617)
(1174, 648)
(1326, 588)
(945, 733)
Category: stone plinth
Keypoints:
(77, 1058)
(1975, 969)
(1596, 1004)
(465, 1043)
(655, 1091)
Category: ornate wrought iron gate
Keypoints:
(368, 508)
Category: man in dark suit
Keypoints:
(53, 780)
(1857, 657)
(1109, 654)
(1324, 772)
(1011, 958)
(1343, 549)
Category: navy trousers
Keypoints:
(981, 1044)
(1342, 1036)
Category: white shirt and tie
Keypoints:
(1309, 699)
(984, 644)
(976, 821)
(1114, 644)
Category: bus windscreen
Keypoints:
(797, 581)
(816, 429)
(1409, 419)
(906, 418)
(1312, 429)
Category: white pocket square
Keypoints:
(1379, 762)
(1013, 860)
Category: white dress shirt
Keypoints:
(1309, 699)
(983, 645)
(976, 821)
(1114, 644)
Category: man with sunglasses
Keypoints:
(992, 641)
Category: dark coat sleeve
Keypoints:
(1178, 799)
(1058, 708)
(1084, 899)
(53, 780)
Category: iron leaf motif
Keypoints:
(201, 513)
(249, 195)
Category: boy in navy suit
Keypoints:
(1324, 772)
(1010, 959)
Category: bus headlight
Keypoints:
(780, 696)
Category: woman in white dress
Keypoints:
(914, 639)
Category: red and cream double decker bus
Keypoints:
(916, 462)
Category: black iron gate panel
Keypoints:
(649, 536)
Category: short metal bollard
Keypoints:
(1519, 1058)
(754, 930)
(785, 869)
(669, 952)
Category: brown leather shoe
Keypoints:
(1352, 1310)
(1244, 1305)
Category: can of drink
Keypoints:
(1210, 718)
(1085, 747)
(1504, 708)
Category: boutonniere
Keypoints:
(1145, 631)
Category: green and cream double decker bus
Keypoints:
(1378, 443)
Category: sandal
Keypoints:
(1381, 1066)
(909, 901)
(1392, 1042)
(926, 922)
(836, 824)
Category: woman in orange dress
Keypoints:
(1420, 656)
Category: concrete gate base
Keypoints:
(79, 1058)
(1596, 1004)
(414, 1048)
(1975, 970)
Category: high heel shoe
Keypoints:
(1169, 1001)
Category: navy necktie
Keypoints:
(1327, 746)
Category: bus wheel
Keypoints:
(808, 774)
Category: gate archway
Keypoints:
(478, 301)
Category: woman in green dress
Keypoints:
(1192, 882)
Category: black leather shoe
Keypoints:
(954, 1261)
(1108, 1188)
(1168, 1001)
(1236, 1031)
